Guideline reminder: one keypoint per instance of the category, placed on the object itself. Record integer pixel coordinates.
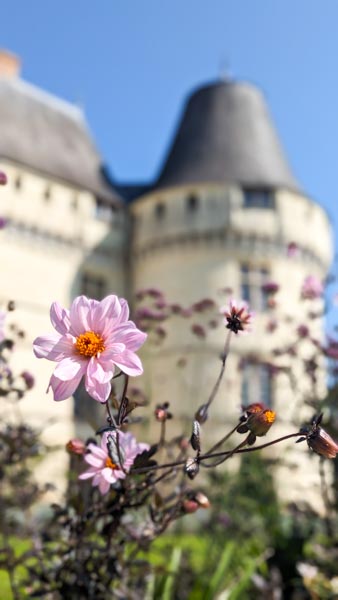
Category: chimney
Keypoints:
(10, 64)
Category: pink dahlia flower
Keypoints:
(238, 318)
(90, 340)
(105, 461)
(312, 288)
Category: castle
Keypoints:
(221, 214)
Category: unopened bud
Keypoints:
(191, 468)
(195, 439)
(202, 500)
(322, 443)
(201, 414)
(76, 446)
(28, 379)
(190, 506)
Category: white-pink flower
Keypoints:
(312, 288)
(112, 460)
(238, 317)
(90, 340)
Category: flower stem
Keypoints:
(224, 357)
(216, 454)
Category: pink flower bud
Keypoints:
(76, 446)
(190, 506)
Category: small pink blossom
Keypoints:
(76, 446)
(270, 287)
(292, 249)
(90, 340)
(105, 461)
(303, 331)
(238, 318)
(3, 178)
(312, 288)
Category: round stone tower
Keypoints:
(221, 215)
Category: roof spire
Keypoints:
(225, 72)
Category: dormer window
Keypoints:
(160, 209)
(258, 198)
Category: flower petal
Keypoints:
(60, 318)
(70, 367)
(124, 315)
(79, 315)
(132, 337)
(94, 461)
(108, 310)
(104, 486)
(88, 474)
(63, 389)
(53, 346)
(100, 371)
(129, 363)
(98, 391)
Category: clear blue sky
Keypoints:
(130, 63)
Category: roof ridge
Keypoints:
(47, 98)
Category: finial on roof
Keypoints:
(225, 72)
(10, 64)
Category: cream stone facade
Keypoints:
(222, 212)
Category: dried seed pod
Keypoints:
(191, 468)
(195, 439)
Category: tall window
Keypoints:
(93, 286)
(252, 281)
(256, 384)
(192, 203)
(258, 198)
(160, 211)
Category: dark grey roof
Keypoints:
(226, 135)
(49, 135)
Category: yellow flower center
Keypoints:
(269, 416)
(89, 344)
(110, 464)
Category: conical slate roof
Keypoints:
(226, 135)
(49, 135)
